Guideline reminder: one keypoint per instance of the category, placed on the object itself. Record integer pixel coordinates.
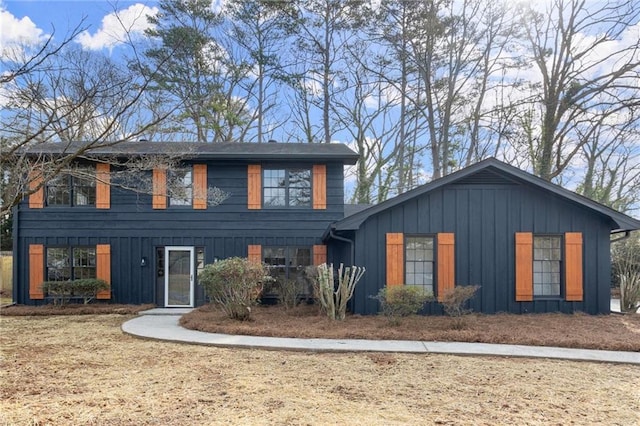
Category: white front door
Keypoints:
(178, 276)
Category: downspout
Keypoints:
(346, 240)
(626, 235)
(15, 254)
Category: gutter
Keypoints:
(346, 240)
(626, 235)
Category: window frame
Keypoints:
(287, 187)
(288, 256)
(560, 270)
(73, 185)
(70, 257)
(433, 261)
(172, 179)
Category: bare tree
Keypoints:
(262, 28)
(81, 101)
(612, 174)
(585, 65)
(324, 32)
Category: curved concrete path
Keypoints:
(162, 325)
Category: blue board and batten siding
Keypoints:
(135, 230)
(484, 219)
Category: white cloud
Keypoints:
(17, 34)
(117, 27)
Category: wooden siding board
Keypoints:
(103, 186)
(159, 189)
(319, 183)
(200, 186)
(573, 266)
(395, 259)
(254, 187)
(319, 254)
(446, 264)
(36, 271)
(103, 268)
(524, 266)
(36, 199)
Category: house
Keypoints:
(149, 247)
(530, 245)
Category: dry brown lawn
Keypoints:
(611, 332)
(82, 370)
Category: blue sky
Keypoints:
(26, 20)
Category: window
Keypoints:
(287, 187)
(286, 263)
(64, 263)
(419, 262)
(72, 190)
(547, 255)
(180, 187)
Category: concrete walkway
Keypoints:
(162, 324)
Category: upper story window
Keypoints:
(287, 187)
(180, 187)
(72, 189)
(419, 262)
(547, 258)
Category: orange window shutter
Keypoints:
(36, 271)
(159, 189)
(446, 269)
(254, 253)
(320, 186)
(200, 186)
(395, 259)
(103, 268)
(573, 266)
(524, 266)
(254, 187)
(36, 199)
(319, 254)
(103, 186)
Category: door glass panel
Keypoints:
(179, 274)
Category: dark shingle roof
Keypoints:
(212, 151)
(620, 221)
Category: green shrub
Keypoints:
(235, 284)
(397, 302)
(454, 301)
(62, 291)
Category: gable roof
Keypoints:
(211, 151)
(485, 172)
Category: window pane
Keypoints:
(300, 178)
(58, 264)
(58, 191)
(180, 187)
(419, 262)
(274, 197)
(286, 187)
(84, 186)
(84, 263)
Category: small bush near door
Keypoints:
(234, 284)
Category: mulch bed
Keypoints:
(607, 332)
(73, 309)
